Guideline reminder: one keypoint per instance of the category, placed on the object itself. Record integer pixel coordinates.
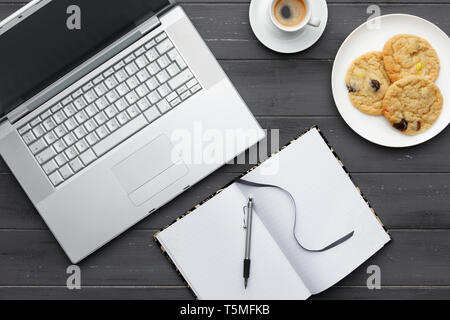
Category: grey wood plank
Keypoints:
(33, 258)
(402, 201)
(183, 293)
(225, 27)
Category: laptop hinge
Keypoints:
(97, 60)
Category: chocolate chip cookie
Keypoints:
(412, 105)
(367, 83)
(406, 55)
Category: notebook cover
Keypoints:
(243, 175)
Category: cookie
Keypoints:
(412, 105)
(367, 83)
(406, 55)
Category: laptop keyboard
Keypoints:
(106, 110)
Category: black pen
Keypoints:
(248, 240)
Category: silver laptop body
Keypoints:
(98, 155)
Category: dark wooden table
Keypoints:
(409, 188)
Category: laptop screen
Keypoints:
(55, 39)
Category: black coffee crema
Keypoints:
(290, 13)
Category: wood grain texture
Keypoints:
(409, 188)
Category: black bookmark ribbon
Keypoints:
(263, 185)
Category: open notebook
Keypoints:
(207, 245)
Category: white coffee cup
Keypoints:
(308, 20)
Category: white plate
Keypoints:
(286, 42)
(367, 38)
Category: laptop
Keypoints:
(109, 110)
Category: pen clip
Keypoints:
(245, 210)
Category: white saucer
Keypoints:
(286, 42)
(366, 38)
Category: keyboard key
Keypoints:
(101, 89)
(123, 89)
(150, 44)
(90, 125)
(38, 146)
(70, 110)
(142, 90)
(164, 90)
(101, 118)
(49, 124)
(152, 84)
(60, 130)
(101, 103)
(182, 89)
(46, 155)
(92, 139)
(71, 124)
(161, 37)
(81, 117)
(108, 72)
(88, 157)
(175, 102)
(112, 96)
(120, 135)
(71, 153)
(163, 76)
(97, 80)
(186, 95)
(50, 166)
(113, 125)
(152, 55)
(77, 93)
(154, 97)
(67, 100)
(123, 118)
(191, 83)
(29, 137)
(88, 86)
(121, 76)
(133, 111)
(131, 68)
(171, 96)
(90, 96)
(69, 139)
(102, 132)
(119, 65)
(82, 146)
(163, 106)
(80, 132)
(59, 146)
(152, 114)
(164, 61)
(76, 165)
(132, 97)
(173, 70)
(91, 110)
(56, 108)
(38, 131)
(111, 112)
(35, 122)
(79, 103)
(50, 138)
(141, 62)
(180, 79)
(143, 104)
(143, 75)
(121, 104)
(133, 82)
(61, 159)
(56, 178)
(24, 129)
(111, 82)
(175, 56)
(60, 117)
(153, 68)
(196, 88)
(66, 172)
(129, 58)
(164, 46)
(140, 51)
(46, 114)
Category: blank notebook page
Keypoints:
(208, 244)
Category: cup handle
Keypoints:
(315, 22)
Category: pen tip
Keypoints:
(245, 283)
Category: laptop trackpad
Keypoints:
(150, 170)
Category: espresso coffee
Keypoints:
(290, 13)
